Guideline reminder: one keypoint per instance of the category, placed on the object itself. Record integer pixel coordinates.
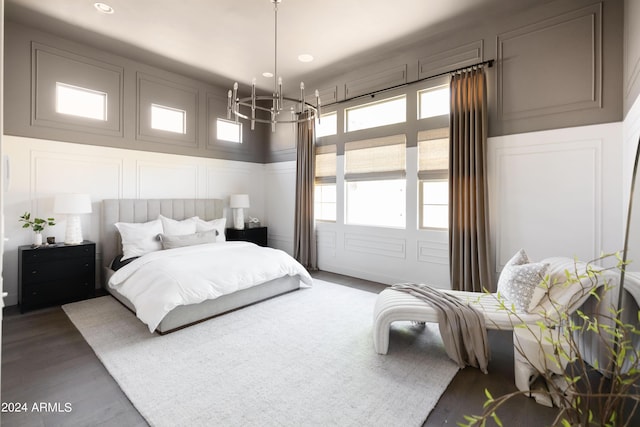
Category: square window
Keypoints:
(325, 202)
(229, 131)
(81, 102)
(328, 125)
(168, 119)
(433, 102)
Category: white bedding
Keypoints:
(158, 282)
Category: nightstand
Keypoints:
(257, 235)
(56, 274)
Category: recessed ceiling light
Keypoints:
(104, 8)
(305, 57)
(267, 74)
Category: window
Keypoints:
(168, 119)
(81, 102)
(375, 172)
(433, 173)
(380, 113)
(325, 183)
(229, 131)
(328, 125)
(433, 102)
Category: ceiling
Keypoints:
(222, 41)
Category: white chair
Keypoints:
(393, 305)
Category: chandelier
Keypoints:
(245, 108)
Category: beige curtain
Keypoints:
(468, 216)
(304, 238)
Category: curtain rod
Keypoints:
(488, 63)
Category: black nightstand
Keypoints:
(257, 235)
(56, 274)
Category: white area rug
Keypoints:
(301, 359)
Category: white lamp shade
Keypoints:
(239, 201)
(72, 204)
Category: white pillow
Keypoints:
(171, 242)
(216, 224)
(173, 227)
(521, 282)
(139, 238)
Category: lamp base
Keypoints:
(238, 218)
(73, 234)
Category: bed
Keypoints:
(144, 210)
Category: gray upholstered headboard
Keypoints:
(143, 210)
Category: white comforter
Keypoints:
(158, 282)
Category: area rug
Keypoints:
(301, 359)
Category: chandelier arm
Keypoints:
(247, 102)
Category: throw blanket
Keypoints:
(462, 327)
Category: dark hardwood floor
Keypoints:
(45, 359)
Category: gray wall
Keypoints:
(558, 65)
(34, 59)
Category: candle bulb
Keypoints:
(280, 95)
(318, 104)
(253, 103)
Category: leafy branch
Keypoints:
(607, 393)
(37, 224)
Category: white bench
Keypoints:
(392, 306)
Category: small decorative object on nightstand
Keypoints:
(257, 235)
(56, 274)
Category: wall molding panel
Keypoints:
(521, 75)
(528, 209)
(380, 80)
(433, 252)
(375, 245)
(157, 180)
(443, 62)
(52, 65)
(151, 89)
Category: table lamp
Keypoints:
(72, 205)
(238, 202)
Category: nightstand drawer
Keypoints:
(48, 271)
(58, 253)
(56, 292)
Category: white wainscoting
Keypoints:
(279, 188)
(40, 169)
(556, 193)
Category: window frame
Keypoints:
(326, 179)
(231, 122)
(422, 204)
(434, 175)
(104, 95)
(335, 130)
(371, 104)
(170, 109)
(371, 176)
(431, 89)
